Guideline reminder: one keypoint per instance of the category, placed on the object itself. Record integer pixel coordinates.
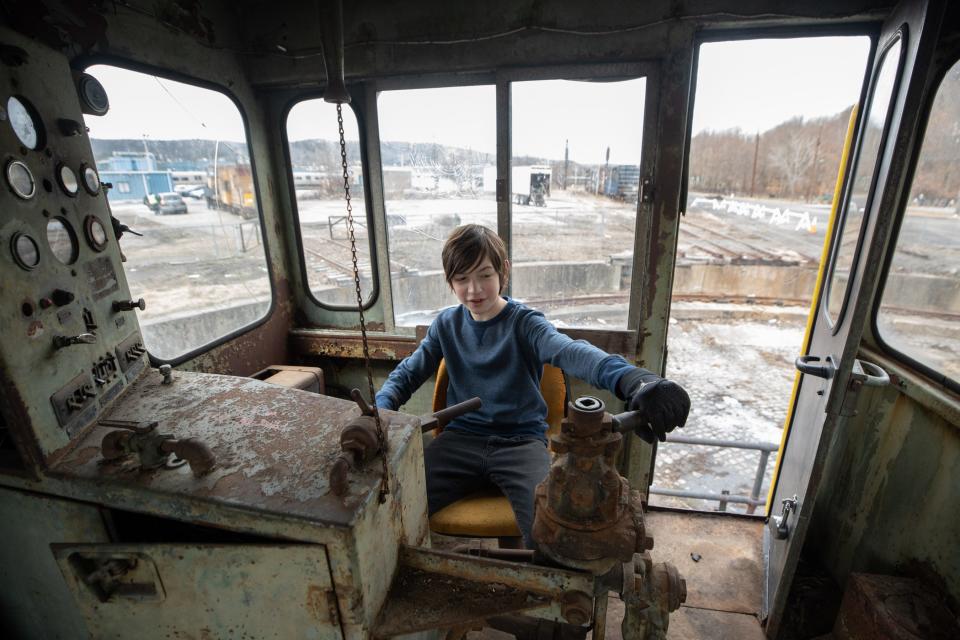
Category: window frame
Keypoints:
(501, 80)
(936, 377)
(357, 95)
(83, 64)
(867, 98)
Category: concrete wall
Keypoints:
(170, 337)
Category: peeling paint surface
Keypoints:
(273, 446)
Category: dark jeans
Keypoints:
(458, 464)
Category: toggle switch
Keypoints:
(129, 305)
(59, 342)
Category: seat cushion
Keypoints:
(482, 514)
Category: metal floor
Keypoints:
(723, 586)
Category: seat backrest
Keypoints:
(553, 388)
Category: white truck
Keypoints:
(530, 184)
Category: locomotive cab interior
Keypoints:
(220, 230)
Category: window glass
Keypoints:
(919, 312)
(862, 180)
(764, 156)
(438, 151)
(314, 139)
(575, 175)
(200, 263)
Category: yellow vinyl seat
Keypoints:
(488, 514)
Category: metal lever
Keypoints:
(827, 369)
(782, 530)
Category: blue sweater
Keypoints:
(500, 361)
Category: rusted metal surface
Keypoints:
(547, 580)
(585, 516)
(654, 591)
(203, 591)
(347, 344)
(273, 446)
(420, 600)
(439, 589)
(877, 607)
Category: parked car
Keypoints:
(170, 203)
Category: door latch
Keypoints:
(782, 530)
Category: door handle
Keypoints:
(813, 366)
(870, 374)
(782, 529)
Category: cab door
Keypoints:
(830, 373)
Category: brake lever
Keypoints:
(635, 421)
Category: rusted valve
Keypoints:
(585, 514)
(358, 440)
(153, 449)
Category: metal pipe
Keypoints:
(733, 444)
(758, 480)
(600, 616)
(702, 495)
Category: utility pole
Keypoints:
(812, 185)
(566, 162)
(753, 174)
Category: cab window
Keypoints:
(178, 157)
(438, 152)
(575, 180)
(313, 141)
(919, 313)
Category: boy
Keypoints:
(495, 349)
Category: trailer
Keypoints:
(531, 184)
(234, 192)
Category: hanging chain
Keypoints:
(381, 436)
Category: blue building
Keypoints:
(133, 175)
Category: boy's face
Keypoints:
(479, 290)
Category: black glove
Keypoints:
(664, 402)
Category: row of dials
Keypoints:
(61, 236)
(21, 181)
(61, 239)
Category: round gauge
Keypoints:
(95, 233)
(91, 181)
(25, 251)
(62, 240)
(68, 180)
(93, 97)
(21, 179)
(24, 122)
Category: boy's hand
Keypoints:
(664, 402)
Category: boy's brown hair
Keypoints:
(467, 246)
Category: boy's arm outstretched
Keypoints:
(412, 372)
(664, 402)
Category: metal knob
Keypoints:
(129, 305)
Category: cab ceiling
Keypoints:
(280, 44)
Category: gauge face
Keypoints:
(91, 181)
(62, 240)
(21, 179)
(68, 180)
(24, 124)
(95, 232)
(25, 251)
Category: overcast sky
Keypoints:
(753, 85)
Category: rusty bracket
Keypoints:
(444, 590)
